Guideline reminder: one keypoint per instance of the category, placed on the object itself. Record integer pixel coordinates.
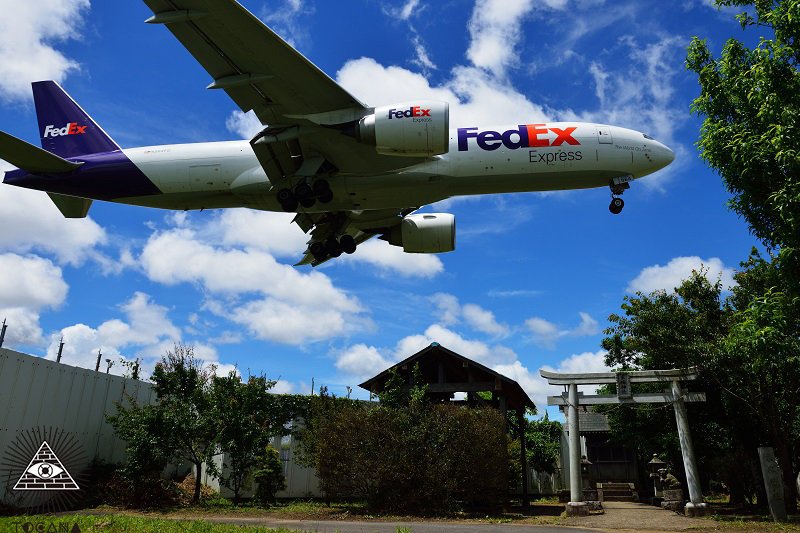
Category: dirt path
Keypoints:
(638, 517)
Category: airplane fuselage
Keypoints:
(515, 158)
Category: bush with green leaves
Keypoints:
(269, 476)
(418, 458)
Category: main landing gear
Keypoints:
(618, 186)
(332, 247)
(305, 194)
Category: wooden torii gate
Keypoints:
(675, 395)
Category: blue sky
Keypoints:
(534, 276)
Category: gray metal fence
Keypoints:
(37, 393)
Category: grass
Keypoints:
(126, 524)
(756, 523)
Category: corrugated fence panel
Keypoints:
(35, 392)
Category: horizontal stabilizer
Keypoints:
(32, 158)
(71, 206)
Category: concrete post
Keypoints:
(576, 506)
(773, 483)
(696, 506)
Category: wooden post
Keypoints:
(526, 499)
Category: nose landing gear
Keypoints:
(618, 186)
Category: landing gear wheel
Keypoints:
(325, 197)
(616, 205)
(348, 244)
(304, 195)
(287, 200)
(321, 186)
(317, 249)
(333, 248)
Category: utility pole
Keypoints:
(60, 349)
(3, 333)
(97, 366)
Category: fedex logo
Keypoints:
(415, 111)
(71, 128)
(527, 136)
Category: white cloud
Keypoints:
(245, 125)
(28, 285)
(289, 306)
(31, 282)
(146, 331)
(546, 333)
(408, 9)
(392, 258)
(671, 275)
(28, 33)
(449, 310)
(30, 221)
(483, 320)
(271, 232)
(22, 326)
(588, 326)
(495, 32)
(285, 22)
(362, 361)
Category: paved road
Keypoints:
(333, 526)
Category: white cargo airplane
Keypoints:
(349, 171)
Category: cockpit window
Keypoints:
(646, 136)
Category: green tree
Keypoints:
(183, 386)
(269, 476)
(750, 98)
(249, 417)
(760, 363)
(543, 443)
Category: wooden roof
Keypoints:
(447, 372)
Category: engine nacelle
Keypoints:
(425, 233)
(419, 128)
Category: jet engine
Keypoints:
(419, 128)
(424, 233)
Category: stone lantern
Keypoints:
(657, 469)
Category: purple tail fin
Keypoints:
(65, 128)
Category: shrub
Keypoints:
(416, 458)
(269, 476)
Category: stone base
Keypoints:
(677, 506)
(577, 509)
(594, 505)
(696, 509)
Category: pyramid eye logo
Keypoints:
(45, 472)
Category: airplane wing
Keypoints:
(261, 72)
